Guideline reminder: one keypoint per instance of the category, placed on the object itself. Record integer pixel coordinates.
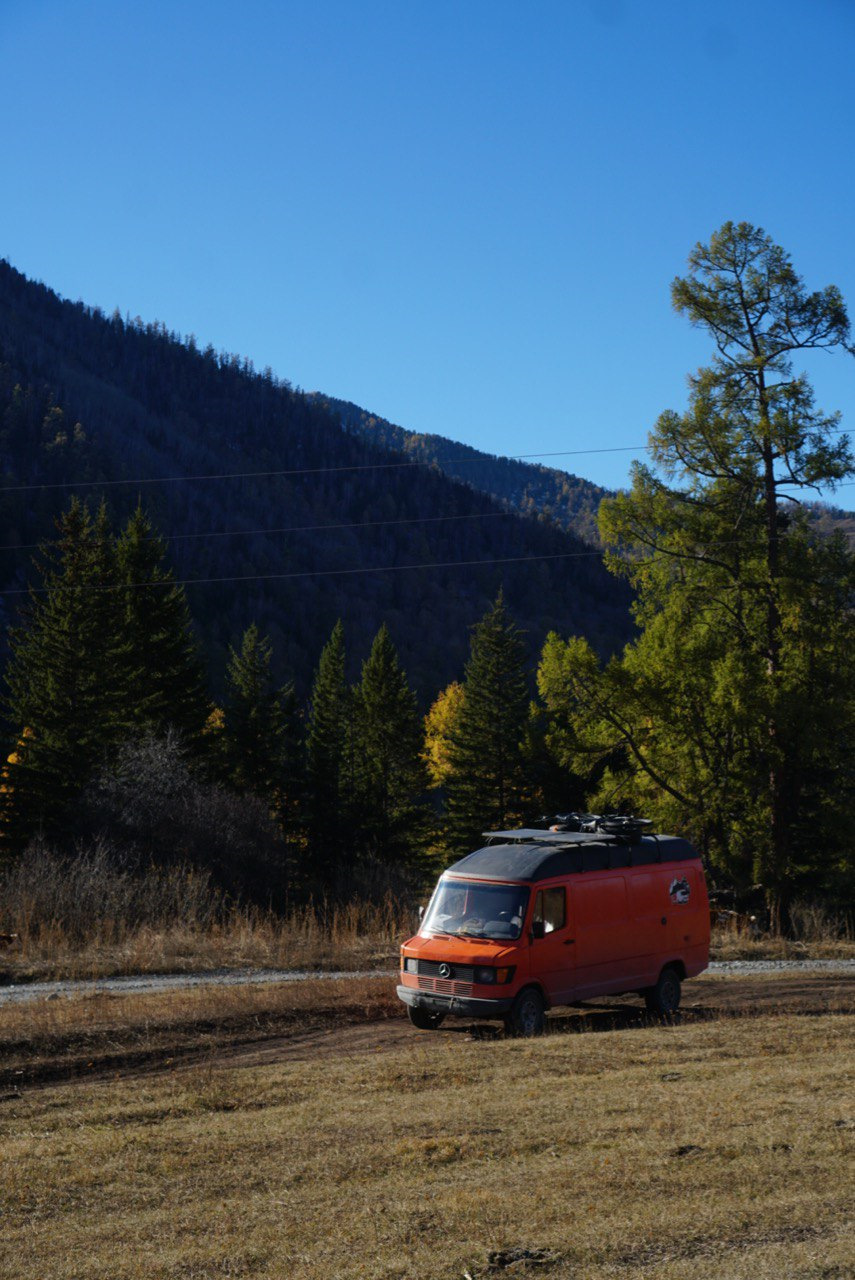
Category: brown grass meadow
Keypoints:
(720, 1149)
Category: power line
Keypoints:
(326, 573)
(297, 528)
(305, 471)
(310, 471)
(311, 572)
(320, 528)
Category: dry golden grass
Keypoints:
(834, 942)
(353, 936)
(715, 1150)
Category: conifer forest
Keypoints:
(271, 635)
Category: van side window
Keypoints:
(549, 907)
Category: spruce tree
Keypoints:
(390, 777)
(165, 678)
(259, 737)
(486, 781)
(328, 759)
(67, 697)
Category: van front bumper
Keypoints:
(463, 1006)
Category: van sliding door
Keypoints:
(606, 942)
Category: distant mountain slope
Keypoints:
(89, 398)
(526, 487)
(530, 488)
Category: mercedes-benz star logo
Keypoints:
(445, 970)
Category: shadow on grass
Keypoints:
(603, 1017)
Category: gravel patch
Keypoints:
(781, 966)
(139, 984)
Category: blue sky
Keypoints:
(464, 216)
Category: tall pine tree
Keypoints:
(730, 717)
(165, 679)
(328, 766)
(66, 678)
(390, 777)
(259, 739)
(486, 784)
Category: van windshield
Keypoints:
(472, 909)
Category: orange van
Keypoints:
(542, 918)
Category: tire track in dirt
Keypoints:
(353, 1030)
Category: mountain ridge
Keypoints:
(531, 488)
(88, 399)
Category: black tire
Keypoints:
(527, 1015)
(424, 1019)
(664, 998)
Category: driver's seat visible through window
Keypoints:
(549, 907)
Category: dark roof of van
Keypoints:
(577, 851)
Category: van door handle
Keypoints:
(568, 942)
(664, 920)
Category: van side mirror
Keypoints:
(421, 912)
(538, 930)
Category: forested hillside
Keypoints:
(527, 487)
(86, 397)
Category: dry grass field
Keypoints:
(717, 1149)
(353, 936)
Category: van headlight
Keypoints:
(411, 965)
(489, 977)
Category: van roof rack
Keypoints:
(568, 828)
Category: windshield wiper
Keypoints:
(446, 933)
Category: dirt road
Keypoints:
(342, 1020)
(704, 999)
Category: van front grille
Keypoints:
(445, 987)
(459, 972)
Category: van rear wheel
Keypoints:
(664, 998)
(527, 1015)
(424, 1019)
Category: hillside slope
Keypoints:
(92, 400)
(529, 488)
(526, 487)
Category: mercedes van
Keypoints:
(541, 918)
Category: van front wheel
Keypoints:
(664, 998)
(527, 1014)
(424, 1019)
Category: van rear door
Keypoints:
(648, 913)
(687, 908)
